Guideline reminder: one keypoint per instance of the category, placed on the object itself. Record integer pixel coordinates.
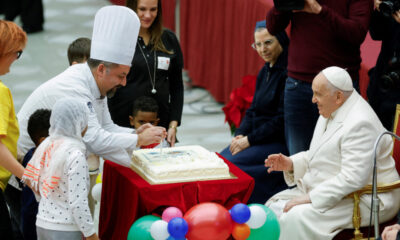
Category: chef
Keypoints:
(115, 32)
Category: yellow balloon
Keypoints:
(98, 179)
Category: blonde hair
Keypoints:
(156, 28)
(12, 37)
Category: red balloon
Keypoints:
(209, 221)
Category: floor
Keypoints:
(46, 56)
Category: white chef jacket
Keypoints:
(103, 137)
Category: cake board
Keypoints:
(152, 182)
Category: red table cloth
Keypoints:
(126, 197)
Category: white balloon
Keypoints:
(96, 192)
(257, 217)
(159, 230)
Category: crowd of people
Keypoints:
(307, 138)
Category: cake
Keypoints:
(179, 164)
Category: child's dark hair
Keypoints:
(39, 124)
(145, 104)
(79, 50)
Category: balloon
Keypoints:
(99, 179)
(96, 192)
(240, 213)
(270, 230)
(209, 221)
(172, 238)
(177, 227)
(170, 213)
(159, 230)
(140, 229)
(240, 231)
(257, 216)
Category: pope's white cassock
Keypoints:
(339, 161)
(114, 38)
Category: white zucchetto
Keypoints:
(115, 33)
(339, 78)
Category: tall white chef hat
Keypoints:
(339, 78)
(115, 33)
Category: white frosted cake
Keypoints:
(179, 164)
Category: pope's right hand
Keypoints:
(151, 135)
(278, 162)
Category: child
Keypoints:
(38, 130)
(79, 51)
(145, 110)
(58, 171)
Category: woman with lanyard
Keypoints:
(156, 71)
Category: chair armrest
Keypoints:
(381, 188)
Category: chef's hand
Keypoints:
(143, 127)
(297, 201)
(151, 135)
(278, 162)
(239, 144)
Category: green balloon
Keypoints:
(270, 230)
(140, 229)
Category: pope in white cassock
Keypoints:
(339, 162)
(115, 33)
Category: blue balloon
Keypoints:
(177, 228)
(240, 213)
(172, 238)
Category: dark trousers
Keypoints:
(31, 12)
(301, 115)
(5, 221)
(29, 209)
(251, 160)
(13, 200)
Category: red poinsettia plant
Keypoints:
(239, 101)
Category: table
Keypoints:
(126, 196)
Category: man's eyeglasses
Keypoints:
(266, 43)
(19, 53)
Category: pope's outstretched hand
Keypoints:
(150, 134)
(278, 162)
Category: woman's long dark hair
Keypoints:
(156, 28)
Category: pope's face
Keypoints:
(147, 11)
(113, 79)
(326, 101)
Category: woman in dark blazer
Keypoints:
(261, 132)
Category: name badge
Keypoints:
(163, 63)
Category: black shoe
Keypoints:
(32, 29)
